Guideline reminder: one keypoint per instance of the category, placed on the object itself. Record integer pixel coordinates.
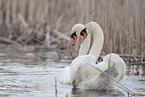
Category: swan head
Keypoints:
(76, 29)
(89, 29)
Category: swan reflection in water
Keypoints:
(93, 93)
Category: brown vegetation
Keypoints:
(50, 21)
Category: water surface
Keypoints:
(24, 73)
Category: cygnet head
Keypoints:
(76, 29)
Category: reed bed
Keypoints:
(49, 22)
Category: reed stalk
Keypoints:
(124, 19)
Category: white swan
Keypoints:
(82, 72)
(84, 47)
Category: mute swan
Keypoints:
(84, 47)
(82, 72)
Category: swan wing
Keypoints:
(119, 64)
(77, 70)
(65, 76)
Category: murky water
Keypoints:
(24, 74)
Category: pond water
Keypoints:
(25, 74)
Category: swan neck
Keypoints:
(84, 47)
(97, 45)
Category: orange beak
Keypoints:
(74, 40)
(84, 36)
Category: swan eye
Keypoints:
(83, 34)
(74, 38)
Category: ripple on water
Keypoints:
(2, 54)
(25, 74)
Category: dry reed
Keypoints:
(123, 22)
